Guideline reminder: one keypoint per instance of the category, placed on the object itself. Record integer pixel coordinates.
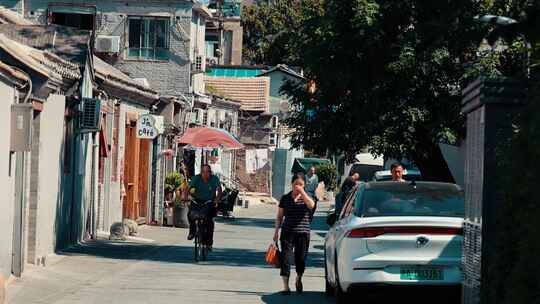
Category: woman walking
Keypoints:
(294, 218)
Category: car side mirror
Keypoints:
(331, 219)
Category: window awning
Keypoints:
(67, 9)
(203, 98)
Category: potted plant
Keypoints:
(176, 185)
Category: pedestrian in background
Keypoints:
(312, 183)
(344, 192)
(294, 219)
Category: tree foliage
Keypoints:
(389, 75)
(267, 27)
(515, 263)
(327, 173)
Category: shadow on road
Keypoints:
(248, 222)
(408, 294)
(310, 297)
(236, 257)
(319, 222)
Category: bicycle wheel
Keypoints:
(204, 246)
(197, 242)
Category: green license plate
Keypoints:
(422, 274)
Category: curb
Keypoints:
(104, 234)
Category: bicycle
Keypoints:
(200, 214)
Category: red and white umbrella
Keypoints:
(209, 138)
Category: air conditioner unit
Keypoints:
(107, 44)
(197, 116)
(89, 117)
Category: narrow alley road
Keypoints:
(164, 272)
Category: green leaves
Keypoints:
(365, 12)
(327, 173)
(389, 74)
(173, 181)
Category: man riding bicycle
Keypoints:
(203, 188)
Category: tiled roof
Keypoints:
(120, 81)
(12, 74)
(11, 17)
(285, 69)
(68, 43)
(253, 93)
(42, 62)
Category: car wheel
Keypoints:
(342, 297)
(328, 289)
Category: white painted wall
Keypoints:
(198, 47)
(50, 173)
(6, 182)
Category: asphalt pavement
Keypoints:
(163, 271)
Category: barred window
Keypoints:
(149, 38)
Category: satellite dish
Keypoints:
(284, 106)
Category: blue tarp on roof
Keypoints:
(233, 72)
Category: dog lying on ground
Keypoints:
(120, 231)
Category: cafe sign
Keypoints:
(146, 127)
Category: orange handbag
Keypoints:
(272, 255)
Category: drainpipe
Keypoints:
(93, 185)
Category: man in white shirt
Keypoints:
(312, 182)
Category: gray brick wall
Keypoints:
(169, 77)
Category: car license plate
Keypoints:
(422, 274)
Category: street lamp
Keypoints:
(507, 21)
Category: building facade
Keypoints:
(279, 106)
(85, 168)
(224, 33)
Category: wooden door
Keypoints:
(144, 162)
(131, 173)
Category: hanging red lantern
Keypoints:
(168, 153)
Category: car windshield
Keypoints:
(407, 177)
(408, 200)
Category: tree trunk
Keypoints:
(432, 164)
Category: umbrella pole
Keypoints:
(202, 159)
